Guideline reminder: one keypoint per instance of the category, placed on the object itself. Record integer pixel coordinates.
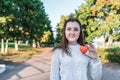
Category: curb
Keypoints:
(2, 68)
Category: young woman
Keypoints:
(68, 62)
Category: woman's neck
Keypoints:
(72, 43)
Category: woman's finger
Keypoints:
(91, 48)
(91, 45)
(92, 52)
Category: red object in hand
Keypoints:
(83, 49)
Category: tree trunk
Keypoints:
(38, 44)
(34, 44)
(26, 42)
(2, 45)
(110, 39)
(6, 46)
(16, 45)
(103, 43)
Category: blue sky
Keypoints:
(56, 8)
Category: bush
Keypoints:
(109, 54)
(114, 54)
(102, 55)
(113, 58)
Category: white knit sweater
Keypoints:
(75, 67)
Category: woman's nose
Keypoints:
(72, 32)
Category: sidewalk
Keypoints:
(38, 68)
(111, 72)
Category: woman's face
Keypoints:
(72, 32)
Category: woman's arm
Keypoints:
(95, 69)
(95, 66)
(55, 64)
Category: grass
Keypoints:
(24, 53)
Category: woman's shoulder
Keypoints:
(57, 50)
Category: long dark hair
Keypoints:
(64, 42)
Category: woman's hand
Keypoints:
(92, 51)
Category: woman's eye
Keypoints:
(68, 29)
(76, 29)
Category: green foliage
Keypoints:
(109, 55)
(114, 54)
(60, 28)
(114, 58)
(99, 17)
(102, 55)
(23, 20)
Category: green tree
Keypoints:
(23, 20)
(6, 9)
(48, 34)
(100, 17)
(33, 19)
(59, 28)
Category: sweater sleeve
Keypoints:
(95, 69)
(55, 64)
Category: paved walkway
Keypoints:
(38, 68)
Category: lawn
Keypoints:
(15, 57)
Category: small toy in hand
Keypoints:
(83, 49)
